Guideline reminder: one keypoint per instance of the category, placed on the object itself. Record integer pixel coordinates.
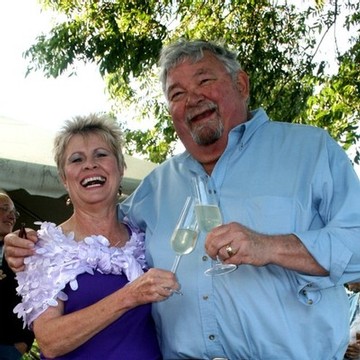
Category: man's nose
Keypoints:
(12, 215)
(194, 97)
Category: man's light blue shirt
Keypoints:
(275, 178)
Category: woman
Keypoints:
(14, 340)
(84, 291)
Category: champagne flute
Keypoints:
(183, 239)
(208, 216)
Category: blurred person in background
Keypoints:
(353, 350)
(14, 339)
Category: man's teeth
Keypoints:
(93, 181)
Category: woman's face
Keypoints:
(92, 174)
(7, 215)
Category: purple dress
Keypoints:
(130, 337)
(80, 274)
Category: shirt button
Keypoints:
(205, 297)
(205, 258)
(212, 337)
(310, 302)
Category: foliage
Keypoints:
(336, 106)
(277, 43)
(33, 354)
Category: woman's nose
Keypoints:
(91, 164)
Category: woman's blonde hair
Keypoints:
(101, 125)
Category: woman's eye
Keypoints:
(75, 160)
(101, 154)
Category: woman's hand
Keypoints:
(155, 285)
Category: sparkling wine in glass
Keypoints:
(184, 237)
(208, 216)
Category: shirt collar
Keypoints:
(243, 132)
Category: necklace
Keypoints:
(129, 233)
(115, 245)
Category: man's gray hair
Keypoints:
(193, 50)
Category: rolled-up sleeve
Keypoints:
(336, 245)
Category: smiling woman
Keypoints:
(89, 272)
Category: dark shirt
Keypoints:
(11, 327)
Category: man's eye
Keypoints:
(204, 81)
(176, 95)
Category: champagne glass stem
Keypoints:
(173, 269)
(176, 263)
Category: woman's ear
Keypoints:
(63, 180)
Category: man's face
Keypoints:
(7, 215)
(205, 104)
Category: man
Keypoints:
(289, 200)
(14, 340)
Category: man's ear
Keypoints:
(243, 83)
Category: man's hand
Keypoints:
(17, 248)
(237, 244)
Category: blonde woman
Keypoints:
(86, 291)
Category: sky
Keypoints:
(35, 99)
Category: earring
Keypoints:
(68, 201)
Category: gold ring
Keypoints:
(229, 250)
